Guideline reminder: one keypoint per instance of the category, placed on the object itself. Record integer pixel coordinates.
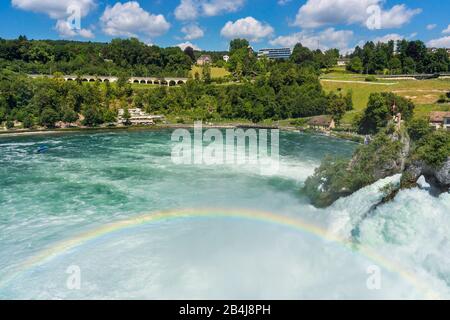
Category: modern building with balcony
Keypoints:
(275, 53)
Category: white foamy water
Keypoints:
(87, 182)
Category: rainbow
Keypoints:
(259, 216)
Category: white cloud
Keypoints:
(192, 9)
(446, 30)
(55, 9)
(248, 28)
(431, 26)
(65, 30)
(216, 7)
(64, 11)
(192, 32)
(318, 13)
(283, 2)
(187, 10)
(327, 39)
(443, 42)
(186, 44)
(388, 37)
(129, 19)
(397, 16)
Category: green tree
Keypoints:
(28, 121)
(395, 65)
(375, 116)
(40, 52)
(126, 116)
(9, 124)
(380, 111)
(69, 115)
(409, 66)
(301, 54)
(337, 107)
(434, 148)
(48, 118)
(355, 65)
(206, 108)
(206, 73)
(349, 100)
(93, 116)
(190, 53)
(330, 58)
(110, 116)
(238, 44)
(418, 129)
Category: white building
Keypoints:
(275, 53)
(342, 62)
(440, 120)
(204, 59)
(138, 117)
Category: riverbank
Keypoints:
(334, 134)
(15, 133)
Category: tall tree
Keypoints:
(189, 51)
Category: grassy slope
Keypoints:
(423, 93)
(215, 72)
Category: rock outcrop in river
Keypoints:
(391, 152)
(437, 177)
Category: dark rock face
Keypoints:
(395, 165)
(438, 178)
(443, 174)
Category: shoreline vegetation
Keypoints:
(244, 86)
(354, 137)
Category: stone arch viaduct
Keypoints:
(165, 81)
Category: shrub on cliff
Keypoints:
(434, 149)
(418, 129)
(337, 178)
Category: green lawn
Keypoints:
(340, 73)
(215, 72)
(423, 93)
(422, 111)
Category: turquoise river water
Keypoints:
(73, 213)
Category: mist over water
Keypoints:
(86, 181)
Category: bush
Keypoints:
(28, 122)
(418, 129)
(9, 124)
(371, 79)
(444, 98)
(434, 149)
(48, 118)
(301, 122)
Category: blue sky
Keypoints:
(210, 24)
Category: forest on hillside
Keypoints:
(120, 56)
(401, 57)
(257, 89)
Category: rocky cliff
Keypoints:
(391, 152)
(437, 177)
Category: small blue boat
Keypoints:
(42, 149)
